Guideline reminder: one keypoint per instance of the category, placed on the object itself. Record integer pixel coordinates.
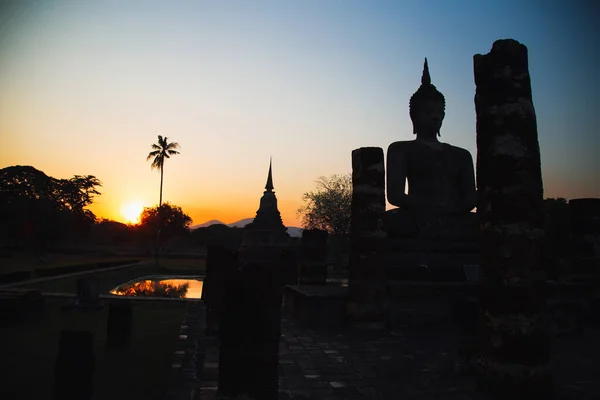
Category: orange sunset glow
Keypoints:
(88, 86)
(131, 211)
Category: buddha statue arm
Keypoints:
(396, 173)
(467, 183)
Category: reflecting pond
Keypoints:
(188, 287)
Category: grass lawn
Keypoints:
(28, 351)
(28, 262)
(107, 280)
(193, 266)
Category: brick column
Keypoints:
(366, 306)
(514, 359)
(220, 262)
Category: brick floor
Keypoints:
(415, 364)
(360, 365)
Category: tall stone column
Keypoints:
(220, 263)
(366, 306)
(514, 355)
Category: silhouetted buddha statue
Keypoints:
(441, 180)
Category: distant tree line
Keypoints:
(175, 233)
(39, 213)
(38, 210)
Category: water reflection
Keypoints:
(190, 288)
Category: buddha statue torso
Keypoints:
(441, 181)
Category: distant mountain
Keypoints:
(207, 223)
(293, 231)
(241, 223)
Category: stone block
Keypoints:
(88, 294)
(74, 367)
(119, 323)
(313, 273)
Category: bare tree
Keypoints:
(328, 207)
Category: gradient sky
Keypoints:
(86, 87)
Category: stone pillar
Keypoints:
(119, 323)
(249, 333)
(74, 367)
(289, 267)
(88, 294)
(314, 257)
(231, 332)
(585, 229)
(366, 306)
(220, 262)
(514, 355)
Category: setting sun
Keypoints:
(131, 212)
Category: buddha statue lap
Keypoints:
(441, 180)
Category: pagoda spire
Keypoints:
(269, 185)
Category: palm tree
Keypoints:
(161, 151)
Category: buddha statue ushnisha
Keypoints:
(441, 180)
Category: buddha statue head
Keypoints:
(426, 107)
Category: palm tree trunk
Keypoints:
(159, 214)
(161, 185)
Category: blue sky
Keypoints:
(85, 87)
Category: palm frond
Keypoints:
(161, 150)
(157, 163)
(152, 154)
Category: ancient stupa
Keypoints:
(267, 231)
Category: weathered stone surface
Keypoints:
(314, 244)
(20, 304)
(248, 357)
(187, 360)
(251, 297)
(514, 357)
(267, 227)
(585, 227)
(313, 269)
(441, 182)
(220, 262)
(74, 367)
(119, 323)
(88, 294)
(368, 193)
(290, 265)
(366, 302)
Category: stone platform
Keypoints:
(316, 305)
(407, 363)
(426, 260)
(324, 306)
